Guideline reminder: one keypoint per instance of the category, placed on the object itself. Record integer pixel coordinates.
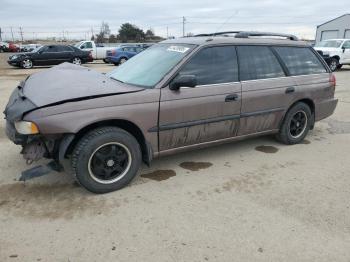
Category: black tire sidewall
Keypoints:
(285, 135)
(88, 144)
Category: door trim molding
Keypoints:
(211, 120)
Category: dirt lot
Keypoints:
(246, 201)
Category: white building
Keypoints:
(336, 28)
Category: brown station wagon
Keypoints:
(180, 94)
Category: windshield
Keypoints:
(78, 44)
(36, 49)
(330, 43)
(150, 66)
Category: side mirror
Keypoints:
(183, 81)
(343, 49)
(82, 47)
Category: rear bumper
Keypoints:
(325, 108)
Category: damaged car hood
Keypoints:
(68, 82)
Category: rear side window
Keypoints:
(258, 62)
(300, 60)
(213, 65)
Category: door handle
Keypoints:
(230, 98)
(290, 90)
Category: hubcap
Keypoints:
(76, 61)
(109, 163)
(333, 65)
(27, 63)
(122, 61)
(298, 124)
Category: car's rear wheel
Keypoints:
(106, 159)
(123, 60)
(333, 64)
(296, 124)
(76, 61)
(27, 63)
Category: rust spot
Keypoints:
(54, 201)
(160, 175)
(267, 149)
(305, 142)
(195, 166)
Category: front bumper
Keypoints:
(13, 62)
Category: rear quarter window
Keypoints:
(300, 60)
(258, 62)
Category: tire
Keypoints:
(339, 66)
(106, 159)
(27, 63)
(76, 61)
(115, 64)
(122, 60)
(333, 64)
(293, 130)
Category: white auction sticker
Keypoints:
(180, 49)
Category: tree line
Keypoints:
(126, 33)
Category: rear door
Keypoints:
(210, 111)
(266, 90)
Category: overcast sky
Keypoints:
(43, 18)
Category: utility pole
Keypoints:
(167, 32)
(21, 32)
(183, 26)
(0, 35)
(12, 35)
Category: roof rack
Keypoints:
(247, 34)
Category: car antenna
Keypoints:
(222, 25)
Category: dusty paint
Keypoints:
(195, 166)
(160, 175)
(267, 149)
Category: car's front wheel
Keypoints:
(27, 63)
(106, 159)
(296, 124)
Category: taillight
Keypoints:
(90, 54)
(114, 52)
(332, 80)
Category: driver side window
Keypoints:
(213, 65)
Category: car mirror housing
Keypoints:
(183, 81)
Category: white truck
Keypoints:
(336, 52)
(98, 51)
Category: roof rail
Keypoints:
(247, 34)
(219, 33)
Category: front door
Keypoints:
(208, 112)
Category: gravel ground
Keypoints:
(246, 201)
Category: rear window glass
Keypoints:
(258, 62)
(213, 65)
(300, 60)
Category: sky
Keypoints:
(77, 19)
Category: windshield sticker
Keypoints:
(179, 49)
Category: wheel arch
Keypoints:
(130, 127)
(309, 102)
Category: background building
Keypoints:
(336, 28)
